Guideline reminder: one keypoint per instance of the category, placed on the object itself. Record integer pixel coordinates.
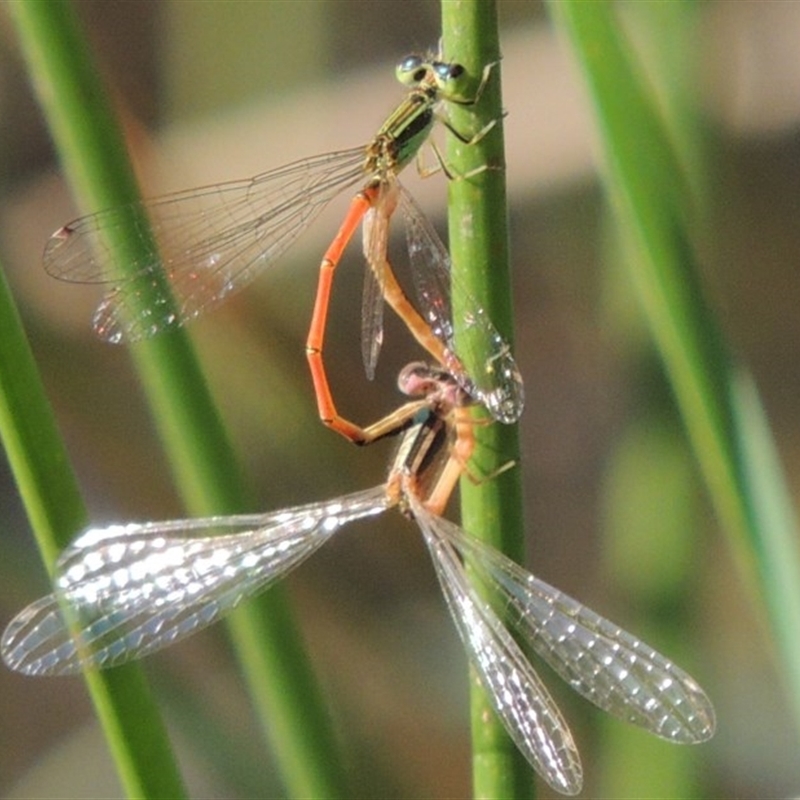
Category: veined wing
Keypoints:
(192, 249)
(375, 237)
(481, 362)
(124, 591)
(607, 665)
(518, 695)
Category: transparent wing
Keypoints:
(482, 362)
(607, 665)
(124, 591)
(517, 693)
(206, 243)
(375, 241)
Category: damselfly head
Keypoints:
(443, 76)
(419, 379)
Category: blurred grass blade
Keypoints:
(649, 191)
(492, 509)
(50, 494)
(94, 156)
(651, 485)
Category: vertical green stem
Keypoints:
(492, 509)
(123, 702)
(93, 152)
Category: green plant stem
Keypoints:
(52, 500)
(93, 153)
(491, 509)
(718, 401)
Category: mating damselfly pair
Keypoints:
(124, 591)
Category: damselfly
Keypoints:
(124, 591)
(195, 248)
